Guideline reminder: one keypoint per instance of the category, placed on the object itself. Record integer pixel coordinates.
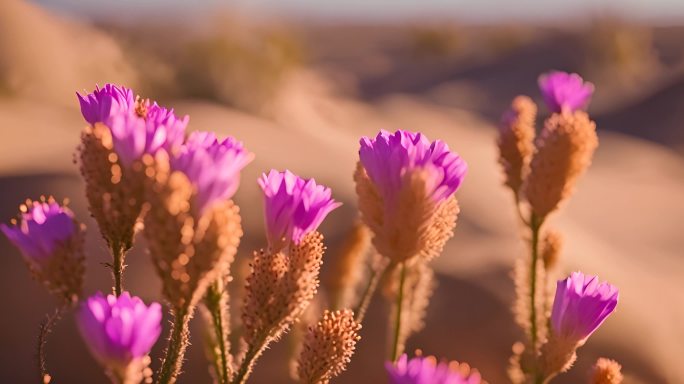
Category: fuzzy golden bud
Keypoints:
(564, 151)
(558, 355)
(418, 226)
(188, 252)
(280, 288)
(115, 193)
(606, 371)
(516, 140)
(348, 268)
(328, 347)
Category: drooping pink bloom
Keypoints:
(138, 127)
(390, 156)
(564, 91)
(581, 305)
(43, 227)
(213, 166)
(293, 206)
(118, 330)
(426, 370)
(105, 102)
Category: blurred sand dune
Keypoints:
(45, 57)
(624, 223)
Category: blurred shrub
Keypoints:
(504, 39)
(620, 52)
(240, 70)
(434, 41)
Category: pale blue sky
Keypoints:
(464, 10)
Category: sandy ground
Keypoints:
(624, 223)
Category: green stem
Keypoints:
(117, 267)
(178, 342)
(369, 291)
(253, 352)
(396, 345)
(518, 209)
(215, 301)
(535, 224)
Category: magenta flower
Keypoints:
(564, 91)
(213, 166)
(293, 207)
(118, 330)
(391, 156)
(44, 227)
(581, 305)
(134, 136)
(138, 127)
(426, 370)
(105, 102)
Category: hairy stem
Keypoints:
(535, 224)
(175, 350)
(217, 307)
(45, 329)
(368, 292)
(518, 208)
(397, 344)
(117, 266)
(254, 350)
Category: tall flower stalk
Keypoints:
(285, 276)
(406, 186)
(192, 227)
(542, 173)
(121, 130)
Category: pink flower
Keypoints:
(43, 227)
(426, 370)
(564, 91)
(105, 102)
(138, 127)
(390, 156)
(293, 207)
(581, 305)
(213, 166)
(118, 330)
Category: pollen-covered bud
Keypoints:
(328, 347)
(114, 193)
(406, 187)
(188, 251)
(606, 371)
(280, 288)
(516, 141)
(564, 151)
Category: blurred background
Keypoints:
(300, 81)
